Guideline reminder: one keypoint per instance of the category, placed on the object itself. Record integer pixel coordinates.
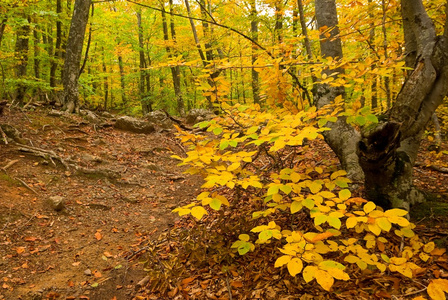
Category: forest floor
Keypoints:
(117, 202)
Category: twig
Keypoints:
(416, 292)
(5, 138)
(9, 164)
(26, 185)
(229, 289)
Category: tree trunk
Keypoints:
(146, 104)
(73, 54)
(343, 138)
(175, 71)
(388, 152)
(57, 51)
(2, 28)
(21, 54)
(254, 36)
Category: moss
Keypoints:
(10, 181)
(433, 212)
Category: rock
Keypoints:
(160, 119)
(56, 202)
(56, 113)
(88, 272)
(12, 134)
(197, 115)
(134, 125)
(152, 167)
(91, 116)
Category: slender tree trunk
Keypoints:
(175, 71)
(75, 41)
(57, 51)
(21, 54)
(374, 87)
(122, 80)
(385, 46)
(146, 104)
(105, 83)
(2, 28)
(254, 36)
(36, 51)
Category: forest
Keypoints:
(211, 149)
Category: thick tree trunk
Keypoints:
(73, 54)
(388, 152)
(343, 138)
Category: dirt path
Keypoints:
(121, 195)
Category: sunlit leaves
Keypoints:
(437, 289)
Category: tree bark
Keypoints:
(146, 104)
(73, 54)
(387, 153)
(254, 36)
(21, 54)
(343, 138)
(57, 51)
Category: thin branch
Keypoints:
(296, 80)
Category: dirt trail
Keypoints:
(120, 195)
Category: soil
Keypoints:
(117, 190)
(121, 195)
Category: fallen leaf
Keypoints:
(98, 236)
(236, 284)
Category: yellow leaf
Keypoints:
(324, 279)
(424, 256)
(337, 174)
(340, 274)
(384, 224)
(351, 222)
(282, 260)
(233, 166)
(369, 206)
(244, 237)
(295, 266)
(395, 212)
(437, 289)
(429, 247)
(344, 194)
(198, 212)
(296, 206)
(309, 273)
(351, 259)
(375, 229)
(315, 187)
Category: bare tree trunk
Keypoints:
(21, 54)
(254, 36)
(57, 48)
(36, 51)
(75, 41)
(343, 138)
(2, 28)
(122, 80)
(146, 104)
(175, 71)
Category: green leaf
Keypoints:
(372, 118)
(286, 189)
(217, 130)
(215, 204)
(360, 120)
(334, 222)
